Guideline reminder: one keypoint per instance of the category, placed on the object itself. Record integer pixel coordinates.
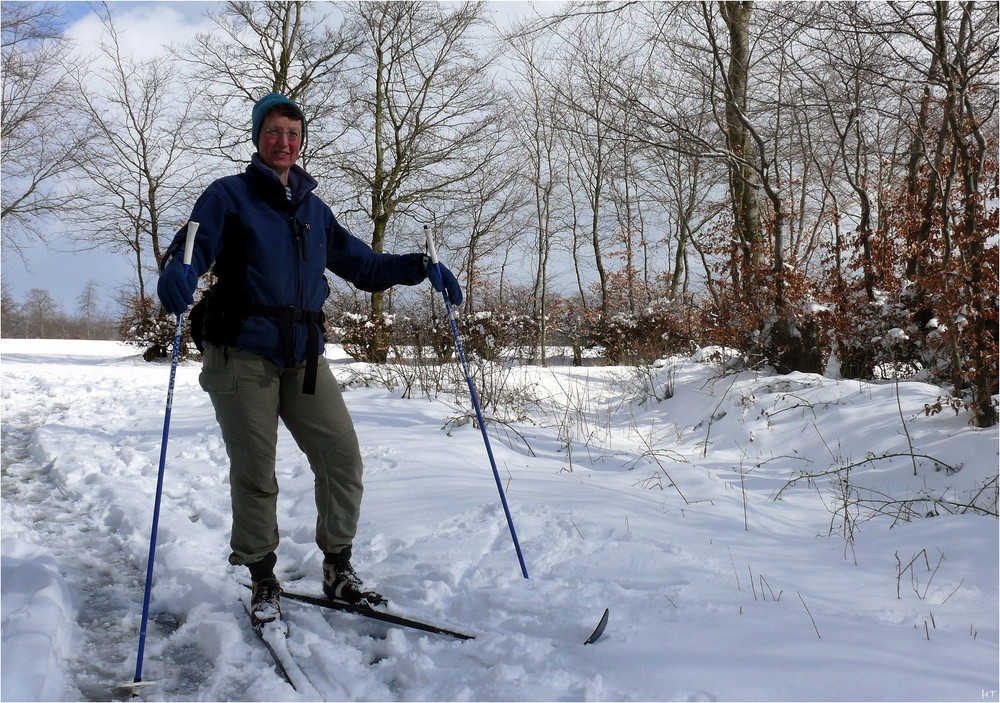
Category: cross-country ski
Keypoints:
(273, 637)
(599, 630)
(379, 614)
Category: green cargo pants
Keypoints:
(250, 393)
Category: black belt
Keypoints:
(286, 317)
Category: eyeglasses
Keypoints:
(274, 133)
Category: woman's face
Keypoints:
(279, 143)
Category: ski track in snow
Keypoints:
(663, 512)
(107, 587)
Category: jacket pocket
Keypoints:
(217, 383)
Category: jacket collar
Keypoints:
(299, 179)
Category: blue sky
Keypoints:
(74, 10)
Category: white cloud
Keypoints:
(145, 29)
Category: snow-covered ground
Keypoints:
(664, 511)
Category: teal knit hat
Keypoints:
(264, 106)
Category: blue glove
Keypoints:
(441, 278)
(176, 288)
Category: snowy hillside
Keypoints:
(662, 509)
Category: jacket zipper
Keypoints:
(300, 255)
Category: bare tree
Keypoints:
(685, 194)
(141, 173)
(596, 124)
(87, 306)
(540, 144)
(488, 206)
(40, 313)
(744, 181)
(847, 116)
(39, 132)
(11, 317)
(421, 105)
(292, 48)
(628, 196)
(962, 42)
(669, 94)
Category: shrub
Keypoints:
(145, 324)
(363, 338)
(489, 333)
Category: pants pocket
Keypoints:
(216, 383)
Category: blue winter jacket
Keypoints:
(270, 251)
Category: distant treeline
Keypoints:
(38, 315)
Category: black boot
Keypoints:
(340, 582)
(265, 603)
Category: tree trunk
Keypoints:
(743, 179)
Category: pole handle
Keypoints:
(192, 230)
(431, 251)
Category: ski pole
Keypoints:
(432, 252)
(192, 229)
